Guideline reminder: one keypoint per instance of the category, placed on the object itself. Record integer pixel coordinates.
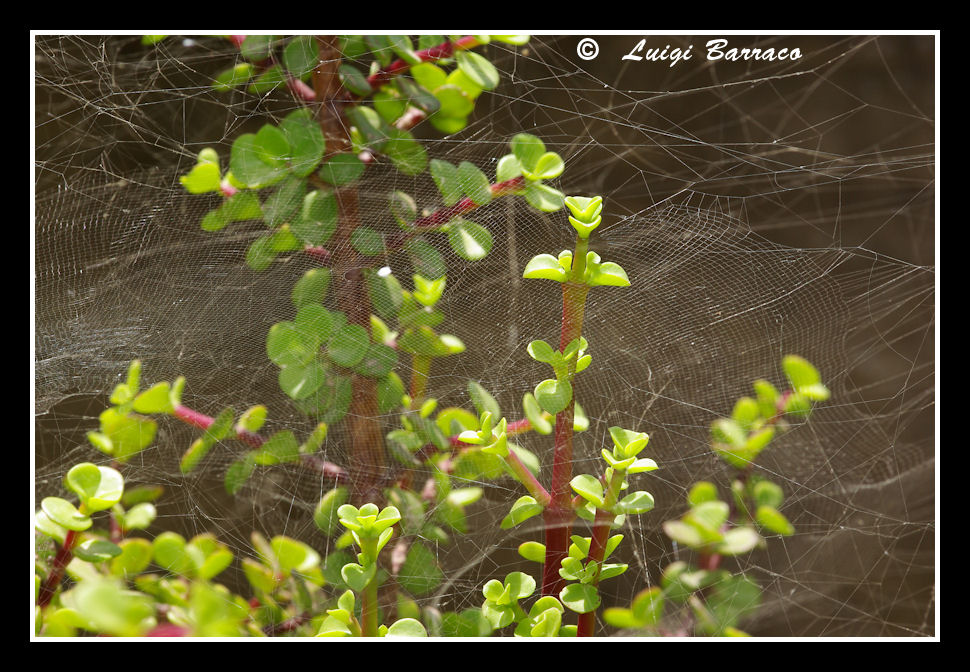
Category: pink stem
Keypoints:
(203, 421)
(436, 53)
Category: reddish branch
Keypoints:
(559, 515)
(436, 53)
(203, 421)
(61, 560)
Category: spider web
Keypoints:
(760, 208)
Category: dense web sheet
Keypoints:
(760, 208)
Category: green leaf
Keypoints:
(203, 178)
(407, 154)
(300, 55)
(404, 48)
(730, 601)
(295, 556)
(380, 46)
(247, 164)
(272, 146)
(127, 435)
(312, 288)
(729, 432)
(46, 526)
(627, 443)
(507, 168)
(378, 361)
(549, 166)
(554, 395)
(542, 352)
(445, 177)
(767, 396)
(300, 381)
(289, 345)
(683, 534)
(453, 102)
(767, 493)
(469, 240)
(240, 206)
(465, 83)
(648, 606)
(746, 412)
(519, 585)
(700, 492)
(354, 80)
(546, 267)
(429, 75)
(306, 141)
(214, 220)
(524, 508)
(586, 210)
(581, 598)
(318, 218)
(235, 76)
(169, 551)
(270, 79)
(448, 125)
(534, 551)
(426, 259)
(107, 607)
(239, 472)
(342, 169)
(65, 514)
(634, 504)
(389, 105)
(773, 520)
(406, 627)
(534, 414)
(739, 540)
(483, 401)
(798, 405)
(607, 274)
(474, 183)
(420, 574)
(284, 201)
(800, 372)
(139, 517)
(589, 488)
(543, 197)
(99, 488)
(279, 448)
(257, 47)
(527, 149)
(367, 241)
(517, 40)
(374, 130)
(348, 346)
(404, 209)
(479, 69)
(136, 555)
(414, 94)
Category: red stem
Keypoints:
(435, 53)
(559, 514)
(61, 560)
(203, 421)
(586, 624)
